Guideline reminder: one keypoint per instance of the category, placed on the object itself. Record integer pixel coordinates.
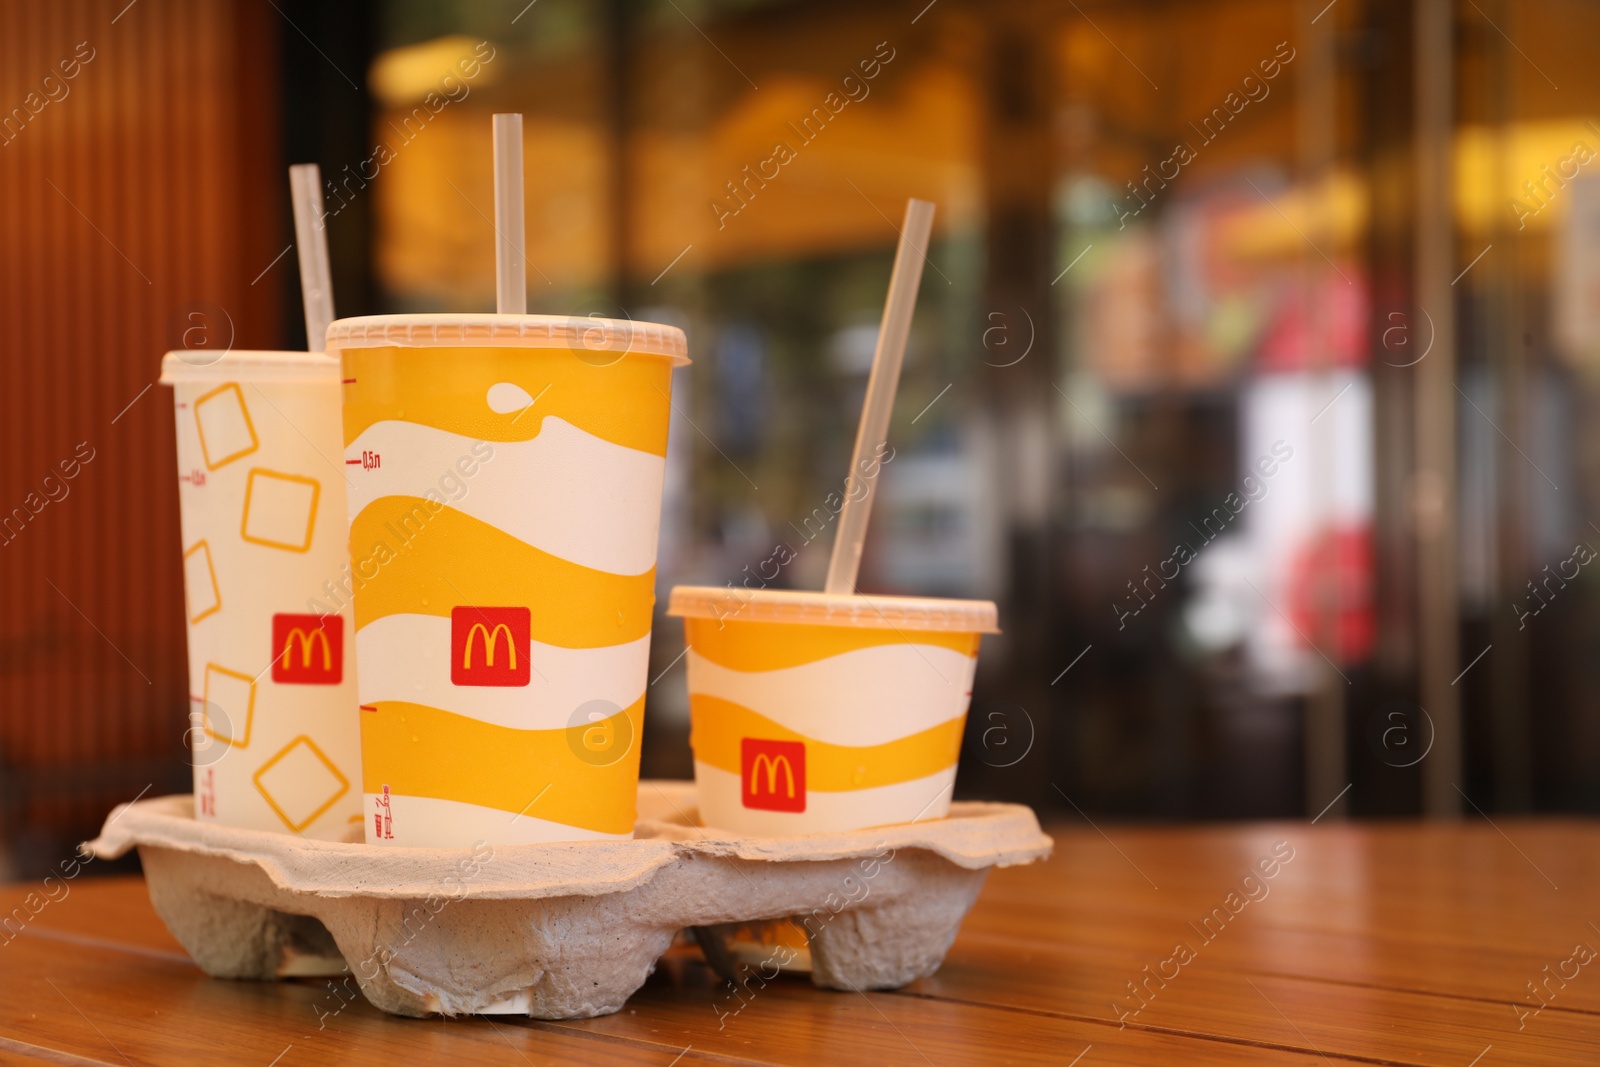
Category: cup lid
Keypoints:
(579, 332)
(203, 365)
(830, 609)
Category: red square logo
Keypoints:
(309, 649)
(489, 646)
(772, 774)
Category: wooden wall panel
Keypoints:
(150, 184)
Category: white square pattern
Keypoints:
(299, 783)
(230, 705)
(226, 433)
(280, 510)
(200, 582)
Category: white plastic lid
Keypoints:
(202, 365)
(622, 336)
(827, 609)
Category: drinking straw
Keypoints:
(881, 384)
(311, 238)
(510, 270)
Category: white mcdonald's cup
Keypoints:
(273, 726)
(811, 712)
(506, 479)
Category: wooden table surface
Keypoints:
(1377, 943)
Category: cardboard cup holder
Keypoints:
(568, 930)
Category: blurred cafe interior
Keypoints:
(1249, 373)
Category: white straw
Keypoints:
(510, 268)
(879, 405)
(311, 239)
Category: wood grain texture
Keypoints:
(1401, 944)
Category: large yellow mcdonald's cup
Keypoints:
(812, 713)
(505, 480)
(273, 732)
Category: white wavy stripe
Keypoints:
(568, 492)
(918, 800)
(407, 657)
(867, 696)
(427, 822)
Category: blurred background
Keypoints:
(1249, 374)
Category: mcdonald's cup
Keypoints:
(505, 495)
(812, 713)
(273, 732)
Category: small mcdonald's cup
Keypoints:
(273, 733)
(506, 474)
(813, 713)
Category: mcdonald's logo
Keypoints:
(308, 649)
(773, 774)
(489, 646)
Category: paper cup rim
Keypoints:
(865, 610)
(455, 330)
(247, 365)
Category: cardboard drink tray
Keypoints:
(568, 930)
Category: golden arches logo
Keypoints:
(760, 754)
(491, 639)
(306, 640)
(468, 623)
(307, 632)
(772, 765)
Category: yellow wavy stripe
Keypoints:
(624, 402)
(421, 561)
(717, 726)
(769, 646)
(420, 751)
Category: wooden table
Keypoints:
(1379, 943)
